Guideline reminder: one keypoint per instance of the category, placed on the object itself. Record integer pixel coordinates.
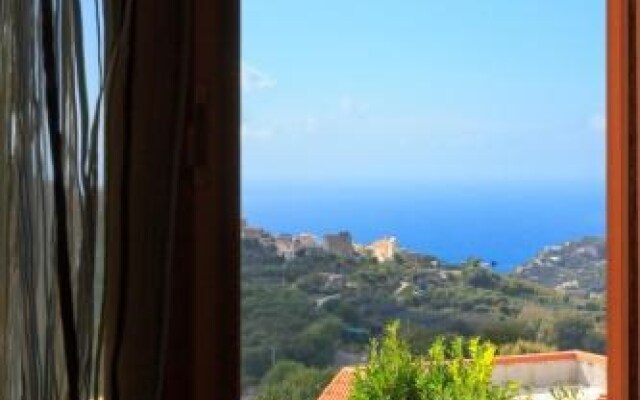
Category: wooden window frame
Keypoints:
(622, 199)
(212, 369)
(623, 17)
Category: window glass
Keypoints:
(437, 163)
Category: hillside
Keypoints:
(576, 267)
(319, 308)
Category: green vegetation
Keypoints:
(293, 381)
(283, 323)
(524, 347)
(392, 373)
(320, 310)
(578, 265)
(449, 371)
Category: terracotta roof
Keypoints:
(576, 355)
(340, 386)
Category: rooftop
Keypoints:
(536, 373)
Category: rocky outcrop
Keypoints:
(576, 267)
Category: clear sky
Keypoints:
(423, 90)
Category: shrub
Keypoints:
(256, 361)
(451, 376)
(506, 331)
(316, 344)
(452, 370)
(481, 277)
(525, 347)
(418, 337)
(293, 381)
(391, 373)
(570, 331)
(517, 287)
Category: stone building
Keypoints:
(384, 249)
(340, 243)
(285, 246)
(305, 241)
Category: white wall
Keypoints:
(538, 374)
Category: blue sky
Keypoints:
(423, 91)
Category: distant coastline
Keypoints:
(503, 223)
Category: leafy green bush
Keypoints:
(392, 372)
(289, 380)
(481, 277)
(570, 331)
(450, 371)
(456, 372)
(506, 331)
(316, 344)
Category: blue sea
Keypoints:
(506, 223)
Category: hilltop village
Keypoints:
(340, 244)
(576, 268)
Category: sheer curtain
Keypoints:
(119, 213)
(51, 218)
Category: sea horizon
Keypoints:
(507, 223)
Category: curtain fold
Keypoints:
(119, 181)
(59, 202)
(145, 129)
(42, 46)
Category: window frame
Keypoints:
(213, 309)
(622, 200)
